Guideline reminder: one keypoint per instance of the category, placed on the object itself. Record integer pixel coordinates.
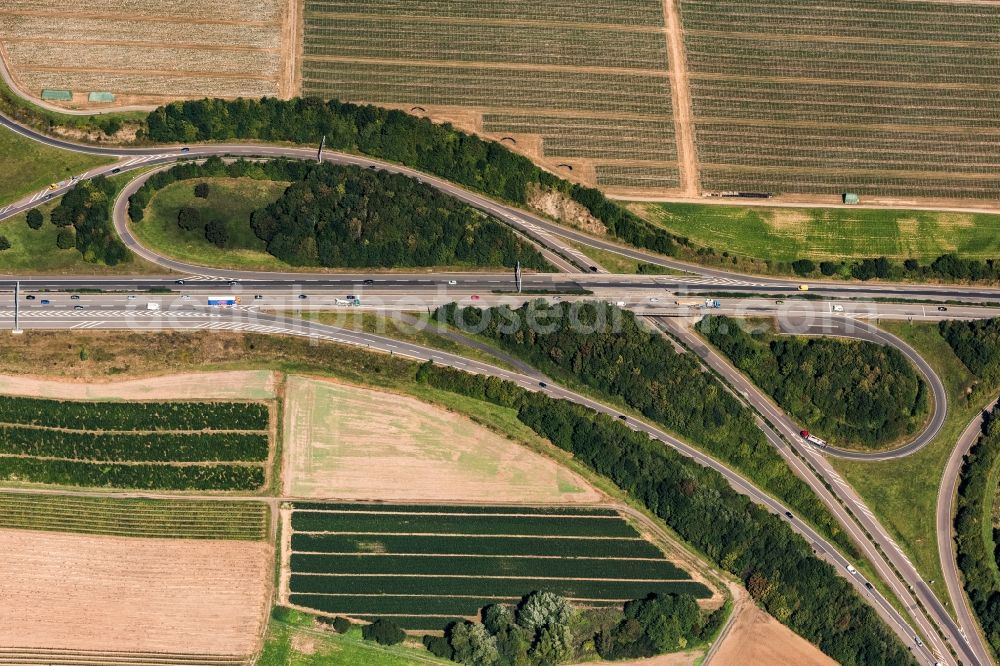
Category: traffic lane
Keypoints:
(779, 420)
(945, 526)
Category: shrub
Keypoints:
(189, 219)
(803, 267)
(828, 268)
(35, 219)
(341, 625)
(65, 239)
(217, 233)
(4, 243)
(383, 632)
(201, 190)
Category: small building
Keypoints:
(851, 198)
(57, 95)
(103, 97)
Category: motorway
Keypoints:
(698, 280)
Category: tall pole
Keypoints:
(319, 154)
(517, 276)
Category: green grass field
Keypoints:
(786, 234)
(231, 200)
(297, 640)
(903, 493)
(28, 166)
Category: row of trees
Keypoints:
(977, 344)
(544, 628)
(776, 565)
(606, 349)
(855, 392)
(975, 539)
(87, 209)
(484, 166)
(947, 267)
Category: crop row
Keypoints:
(793, 180)
(472, 509)
(141, 416)
(49, 28)
(154, 447)
(476, 42)
(502, 565)
(480, 525)
(414, 622)
(613, 175)
(499, 123)
(143, 476)
(983, 167)
(623, 12)
(178, 519)
(610, 148)
(138, 83)
(478, 87)
(228, 10)
(459, 545)
(498, 586)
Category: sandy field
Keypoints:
(757, 639)
(346, 442)
(237, 385)
(76, 592)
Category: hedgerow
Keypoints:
(140, 476)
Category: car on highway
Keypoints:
(593, 269)
(302, 297)
(44, 301)
(78, 307)
(803, 287)
(178, 281)
(869, 585)
(369, 281)
(654, 299)
(74, 297)
(233, 283)
(29, 297)
(258, 297)
(186, 297)
(452, 282)
(779, 302)
(623, 417)
(131, 297)
(837, 308)
(185, 149)
(54, 186)
(788, 514)
(851, 570)
(474, 297)
(543, 384)
(116, 170)
(942, 308)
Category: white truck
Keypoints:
(812, 438)
(152, 306)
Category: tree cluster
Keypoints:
(947, 267)
(776, 565)
(975, 551)
(349, 216)
(977, 344)
(484, 166)
(383, 632)
(855, 392)
(87, 208)
(606, 349)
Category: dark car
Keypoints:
(623, 417)
(185, 150)
(44, 301)
(593, 269)
(74, 297)
(116, 170)
(788, 514)
(178, 281)
(942, 308)
(258, 297)
(301, 296)
(868, 585)
(543, 384)
(29, 297)
(77, 307)
(368, 282)
(233, 283)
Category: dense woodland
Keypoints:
(607, 350)
(975, 538)
(776, 565)
(485, 166)
(977, 344)
(544, 629)
(87, 209)
(346, 216)
(854, 393)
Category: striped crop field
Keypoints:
(208, 446)
(589, 79)
(428, 565)
(146, 50)
(887, 97)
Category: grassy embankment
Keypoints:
(903, 492)
(28, 166)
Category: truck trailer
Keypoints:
(812, 438)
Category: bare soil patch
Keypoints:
(77, 592)
(352, 443)
(235, 385)
(757, 639)
(567, 211)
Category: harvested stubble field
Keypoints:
(234, 385)
(348, 442)
(146, 50)
(590, 79)
(427, 565)
(209, 446)
(80, 592)
(894, 98)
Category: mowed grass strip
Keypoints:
(467, 545)
(595, 526)
(176, 519)
(451, 508)
(488, 586)
(499, 565)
